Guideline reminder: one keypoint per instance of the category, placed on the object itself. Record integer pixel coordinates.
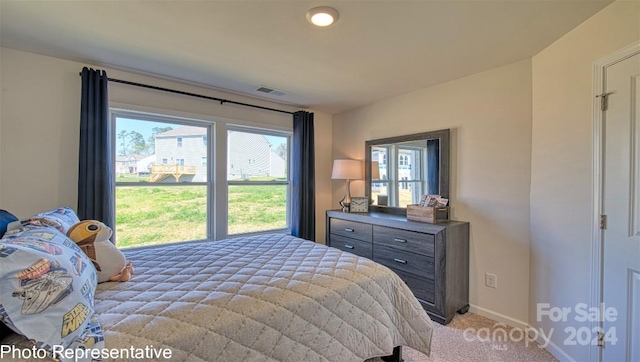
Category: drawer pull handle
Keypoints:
(349, 230)
(400, 240)
(399, 261)
(348, 246)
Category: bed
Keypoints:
(260, 298)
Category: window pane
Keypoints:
(257, 208)
(256, 157)
(159, 152)
(409, 193)
(380, 193)
(160, 214)
(409, 163)
(379, 154)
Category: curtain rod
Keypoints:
(221, 100)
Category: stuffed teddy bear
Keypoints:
(92, 237)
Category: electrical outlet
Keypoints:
(491, 280)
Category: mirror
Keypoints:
(399, 170)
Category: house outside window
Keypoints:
(179, 139)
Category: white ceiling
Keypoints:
(376, 50)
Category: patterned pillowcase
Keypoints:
(61, 218)
(47, 287)
(5, 219)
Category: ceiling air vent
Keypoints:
(271, 91)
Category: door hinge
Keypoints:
(603, 221)
(604, 104)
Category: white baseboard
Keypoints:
(552, 348)
(511, 322)
(558, 353)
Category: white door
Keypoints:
(621, 202)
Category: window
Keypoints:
(169, 202)
(258, 180)
(411, 187)
(380, 190)
(402, 181)
(165, 172)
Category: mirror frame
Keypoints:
(443, 179)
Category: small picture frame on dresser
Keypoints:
(359, 204)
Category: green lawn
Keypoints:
(162, 214)
(131, 178)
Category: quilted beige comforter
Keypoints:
(261, 298)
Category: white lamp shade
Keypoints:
(347, 170)
(375, 170)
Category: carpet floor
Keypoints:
(468, 338)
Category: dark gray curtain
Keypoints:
(433, 162)
(303, 201)
(95, 173)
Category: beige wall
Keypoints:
(39, 146)
(490, 117)
(562, 162)
(40, 125)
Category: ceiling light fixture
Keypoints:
(322, 16)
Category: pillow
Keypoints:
(47, 287)
(5, 219)
(63, 216)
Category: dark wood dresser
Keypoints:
(433, 259)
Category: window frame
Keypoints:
(115, 113)
(397, 159)
(217, 190)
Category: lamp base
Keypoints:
(345, 205)
(346, 200)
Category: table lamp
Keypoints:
(346, 170)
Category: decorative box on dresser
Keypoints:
(432, 259)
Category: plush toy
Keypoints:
(93, 238)
(125, 273)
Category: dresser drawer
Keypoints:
(421, 287)
(412, 241)
(352, 229)
(360, 248)
(404, 261)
